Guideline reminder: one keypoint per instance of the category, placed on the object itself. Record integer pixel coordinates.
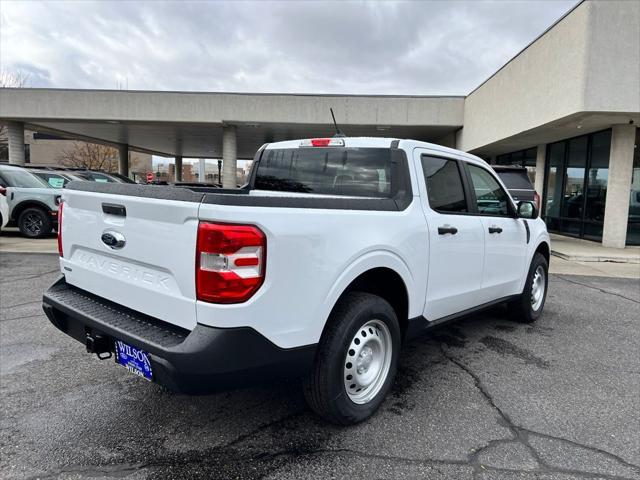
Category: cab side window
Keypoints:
(444, 185)
(490, 197)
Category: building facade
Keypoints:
(567, 107)
(43, 149)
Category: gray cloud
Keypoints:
(421, 48)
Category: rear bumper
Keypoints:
(203, 360)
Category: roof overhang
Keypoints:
(567, 127)
(190, 124)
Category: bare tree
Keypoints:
(13, 79)
(90, 155)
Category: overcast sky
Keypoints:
(419, 48)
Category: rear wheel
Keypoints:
(356, 360)
(528, 307)
(34, 222)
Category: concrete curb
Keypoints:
(596, 258)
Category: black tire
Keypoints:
(324, 388)
(522, 310)
(34, 222)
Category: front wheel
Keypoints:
(527, 308)
(356, 361)
(34, 223)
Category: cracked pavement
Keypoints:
(484, 398)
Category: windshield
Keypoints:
(22, 179)
(362, 172)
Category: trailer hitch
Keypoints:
(99, 344)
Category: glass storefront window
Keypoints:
(553, 189)
(4, 153)
(596, 191)
(573, 201)
(576, 185)
(633, 225)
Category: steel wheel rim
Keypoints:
(537, 288)
(367, 362)
(33, 223)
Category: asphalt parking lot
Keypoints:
(485, 398)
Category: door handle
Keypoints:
(114, 209)
(447, 229)
(495, 230)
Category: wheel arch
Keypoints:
(387, 284)
(544, 249)
(22, 206)
(383, 274)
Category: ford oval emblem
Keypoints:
(113, 239)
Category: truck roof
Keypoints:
(383, 142)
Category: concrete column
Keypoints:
(178, 169)
(541, 160)
(616, 212)
(229, 156)
(123, 160)
(15, 134)
(202, 173)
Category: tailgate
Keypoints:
(153, 271)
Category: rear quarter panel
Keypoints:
(312, 256)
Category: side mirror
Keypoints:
(527, 210)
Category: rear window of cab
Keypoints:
(358, 172)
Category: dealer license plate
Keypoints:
(133, 359)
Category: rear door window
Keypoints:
(359, 172)
(444, 185)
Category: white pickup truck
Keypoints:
(335, 254)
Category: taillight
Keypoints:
(60, 229)
(3, 191)
(230, 262)
(536, 199)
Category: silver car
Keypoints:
(33, 204)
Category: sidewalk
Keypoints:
(573, 256)
(594, 269)
(577, 250)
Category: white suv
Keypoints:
(32, 204)
(336, 253)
